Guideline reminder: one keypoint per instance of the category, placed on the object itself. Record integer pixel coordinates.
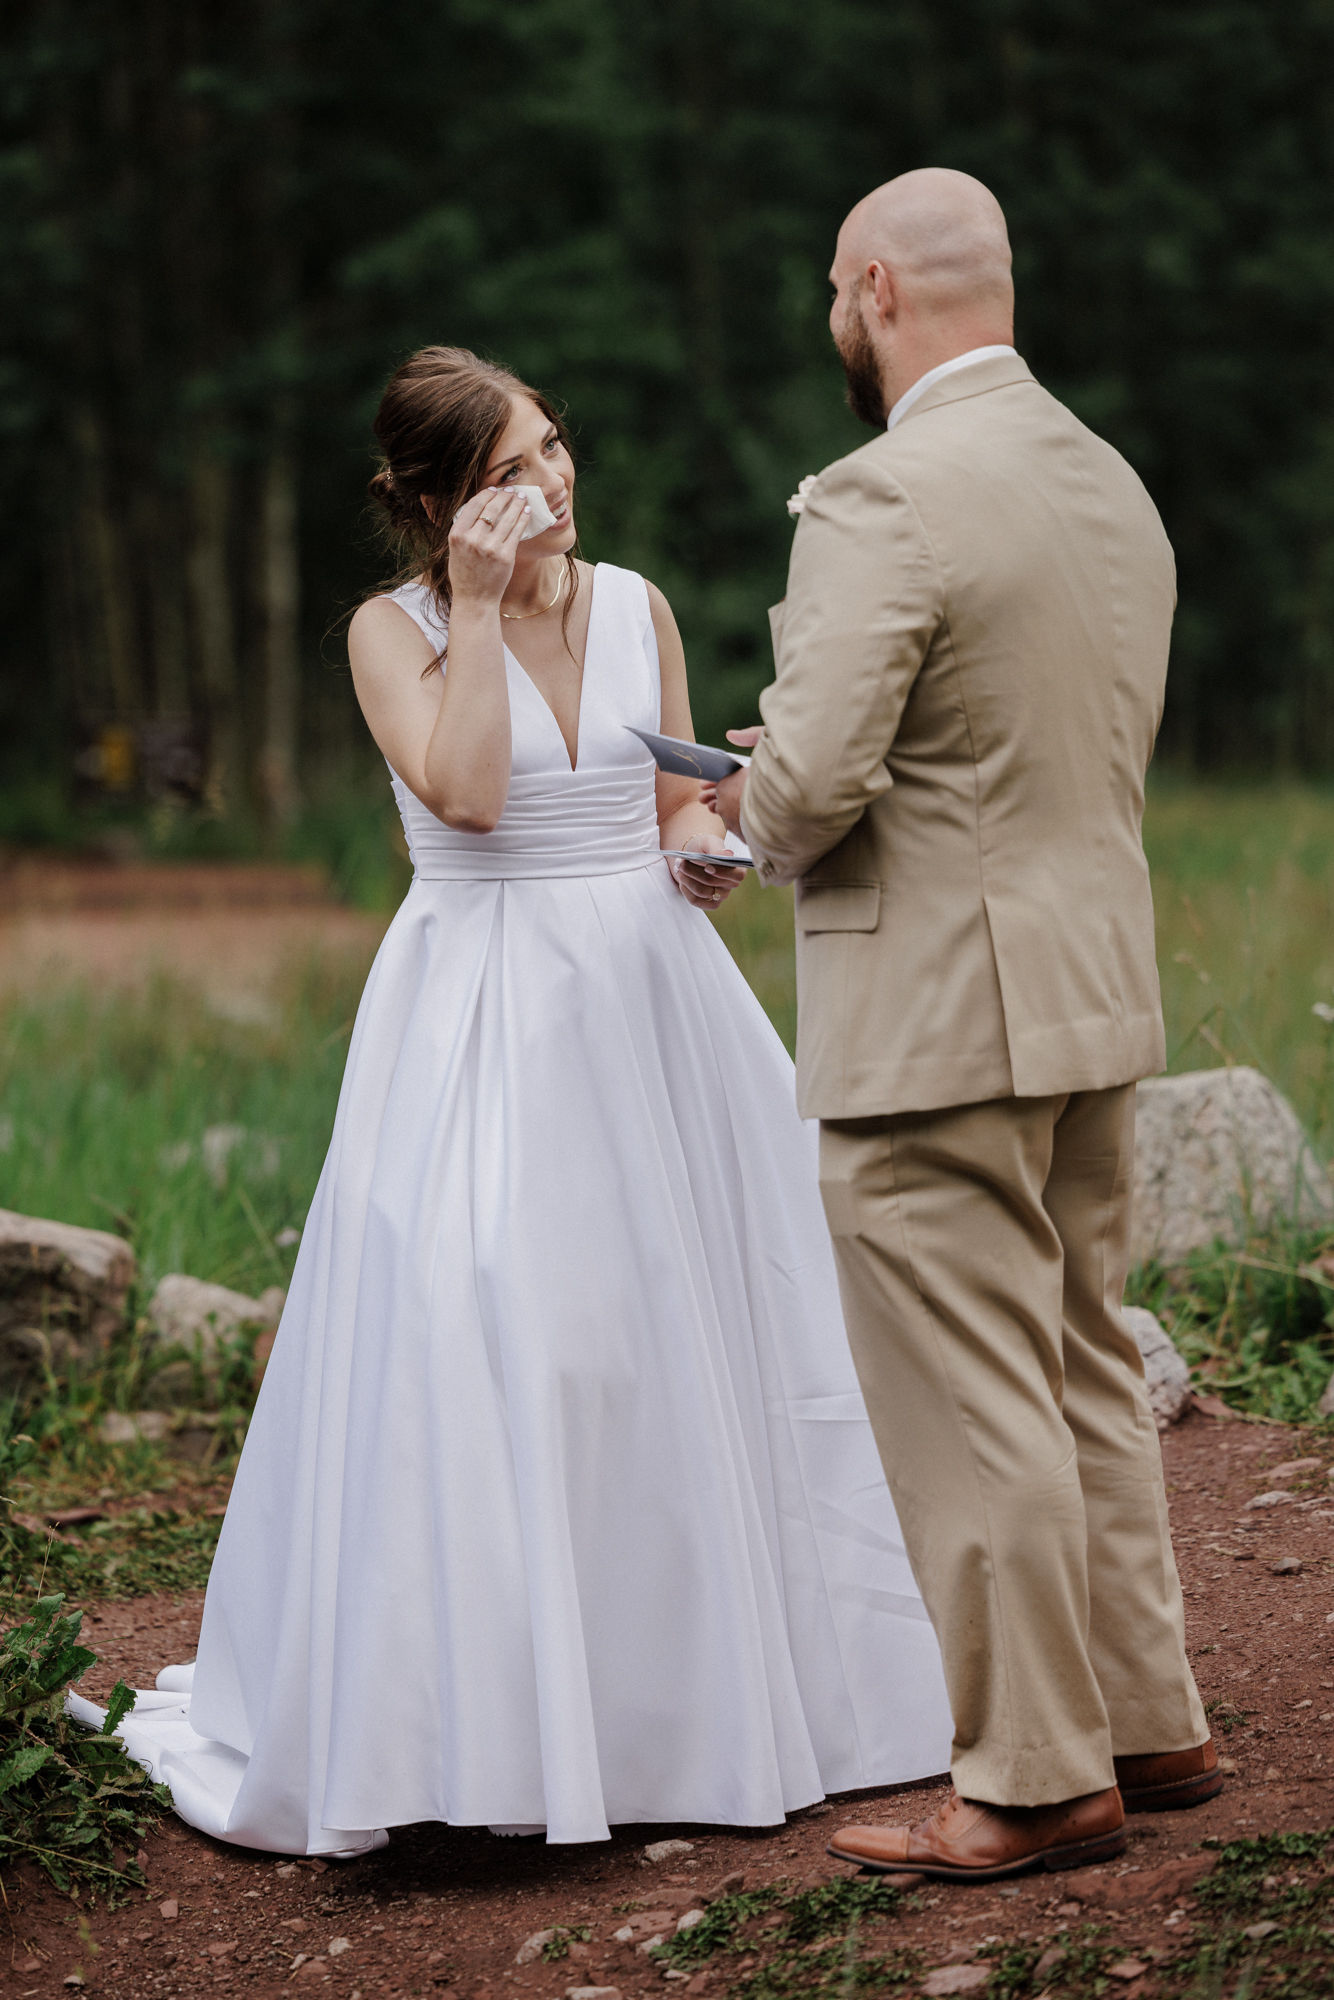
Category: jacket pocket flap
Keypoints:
(838, 906)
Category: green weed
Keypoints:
(808, 1941)
(70, 1801)
(563, 1936)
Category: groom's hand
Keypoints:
(725, 797)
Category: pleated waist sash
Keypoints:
(554, 823)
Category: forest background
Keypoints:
(220, 228)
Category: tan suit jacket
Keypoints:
(970, 668)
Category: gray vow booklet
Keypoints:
(688, 760)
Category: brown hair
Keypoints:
(441, 416)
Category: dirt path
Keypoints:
(231, 930)
(445, 1913)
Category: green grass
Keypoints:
(1244, 890)
(104, 1097)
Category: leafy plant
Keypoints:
(70, 1801)
(562, 1937)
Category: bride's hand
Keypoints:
(482, 545)
(705, 885)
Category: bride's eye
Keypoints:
(551, 444)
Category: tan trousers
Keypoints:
(982, 1254)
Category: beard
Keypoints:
(865, 391)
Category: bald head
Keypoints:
(921, 273)
(941, 233)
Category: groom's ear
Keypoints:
(881, 292)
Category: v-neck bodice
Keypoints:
(596, 817)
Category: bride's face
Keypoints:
(529, 452)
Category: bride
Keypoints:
(559, 1508)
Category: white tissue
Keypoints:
(540, 517)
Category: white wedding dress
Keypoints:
(559, 1506)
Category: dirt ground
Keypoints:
(446, 1912)
(229, 929)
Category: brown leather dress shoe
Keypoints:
(1175, 1779)
(966, 1841)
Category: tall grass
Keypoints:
(1244, 889)
(105, 1098)
(1243, 882)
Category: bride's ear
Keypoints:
(431, 508)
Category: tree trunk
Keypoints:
(111, 572)
(280, 585)
(210, 587)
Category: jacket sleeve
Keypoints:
(864, 600)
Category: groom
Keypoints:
(971, 658)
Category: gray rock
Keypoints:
(191, 1435)
(1219, 1153)
(532, 1947)
(667, 1850)
(134, 1426)
(1325, 1407)
(215, 1149)
(63, 1293)
(1165, 1373)
(184, 1311)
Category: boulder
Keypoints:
(1165, 1373)
(63, 1293)
(186, 1312)
(1219, 1154)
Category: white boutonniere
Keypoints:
(797, 504)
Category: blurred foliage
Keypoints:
(221, 227)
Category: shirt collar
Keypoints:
(934, 375)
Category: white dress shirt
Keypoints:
(924, 382)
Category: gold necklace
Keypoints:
(560, 585)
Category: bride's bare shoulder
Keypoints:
(383, 638)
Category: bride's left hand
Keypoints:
(706, 886)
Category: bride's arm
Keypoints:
(682, 820)
(447, 736)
